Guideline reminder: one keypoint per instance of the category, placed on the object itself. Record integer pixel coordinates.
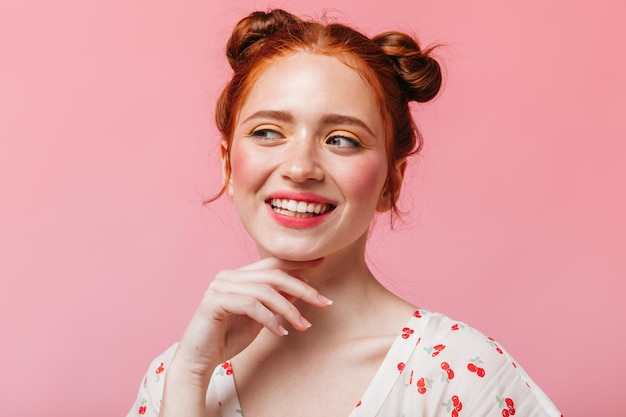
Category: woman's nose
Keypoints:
(302, 161)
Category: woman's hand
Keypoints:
(234, 309)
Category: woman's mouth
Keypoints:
(301, 209)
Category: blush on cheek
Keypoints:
(239, 165)
(367, 180)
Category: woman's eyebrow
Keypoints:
(327, 119)
(330, 119)
(281, 115)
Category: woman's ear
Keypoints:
(226, 171)
(384, 202)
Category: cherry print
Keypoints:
(435, 350)
(160, 369)
(472, 367)
(142, 410)
(407, 332)
(455, 327)
(358, 404)
(454, 405)
(493, 343)
(227, 368)
(507, 405)
(423, 384)
(438, 349)
(401, 366)
(446, 367)
(417, 314)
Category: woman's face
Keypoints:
(308, 159)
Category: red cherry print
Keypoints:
(160, 369)
(499, 351)
(455, 413)
(423, 384)
(143, 409)
(438, 349)
(455, 400)
(227, 367)
(505, 413)
(472, 367)
(417, 314)
(455, 327)
(509, 402)
(358, 404)
(445, 366)
(400, 366)
(407, 332)
(450, 373)
(512, 411)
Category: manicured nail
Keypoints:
(305, 322)
(282, 330)
(325, 300)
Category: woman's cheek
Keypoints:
(366, 180)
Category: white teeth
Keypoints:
(293, 207)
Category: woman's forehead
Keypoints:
(304, 80)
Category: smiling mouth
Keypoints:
(302, 209)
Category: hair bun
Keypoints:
(250, 33)
(420, 72)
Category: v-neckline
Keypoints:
(374, 395)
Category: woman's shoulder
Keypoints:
(148, 401)
(454, 362)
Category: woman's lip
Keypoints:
(300, 196)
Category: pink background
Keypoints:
(514, 211)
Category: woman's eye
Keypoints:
(343, 142)
(266, 133)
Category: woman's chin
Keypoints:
(291, 255)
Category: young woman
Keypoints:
(316, 132)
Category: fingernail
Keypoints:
(305, 322)
(282, 330)
(325, 300)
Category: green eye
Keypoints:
(266, 133)
(342, 142)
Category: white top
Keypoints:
(436, 367)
